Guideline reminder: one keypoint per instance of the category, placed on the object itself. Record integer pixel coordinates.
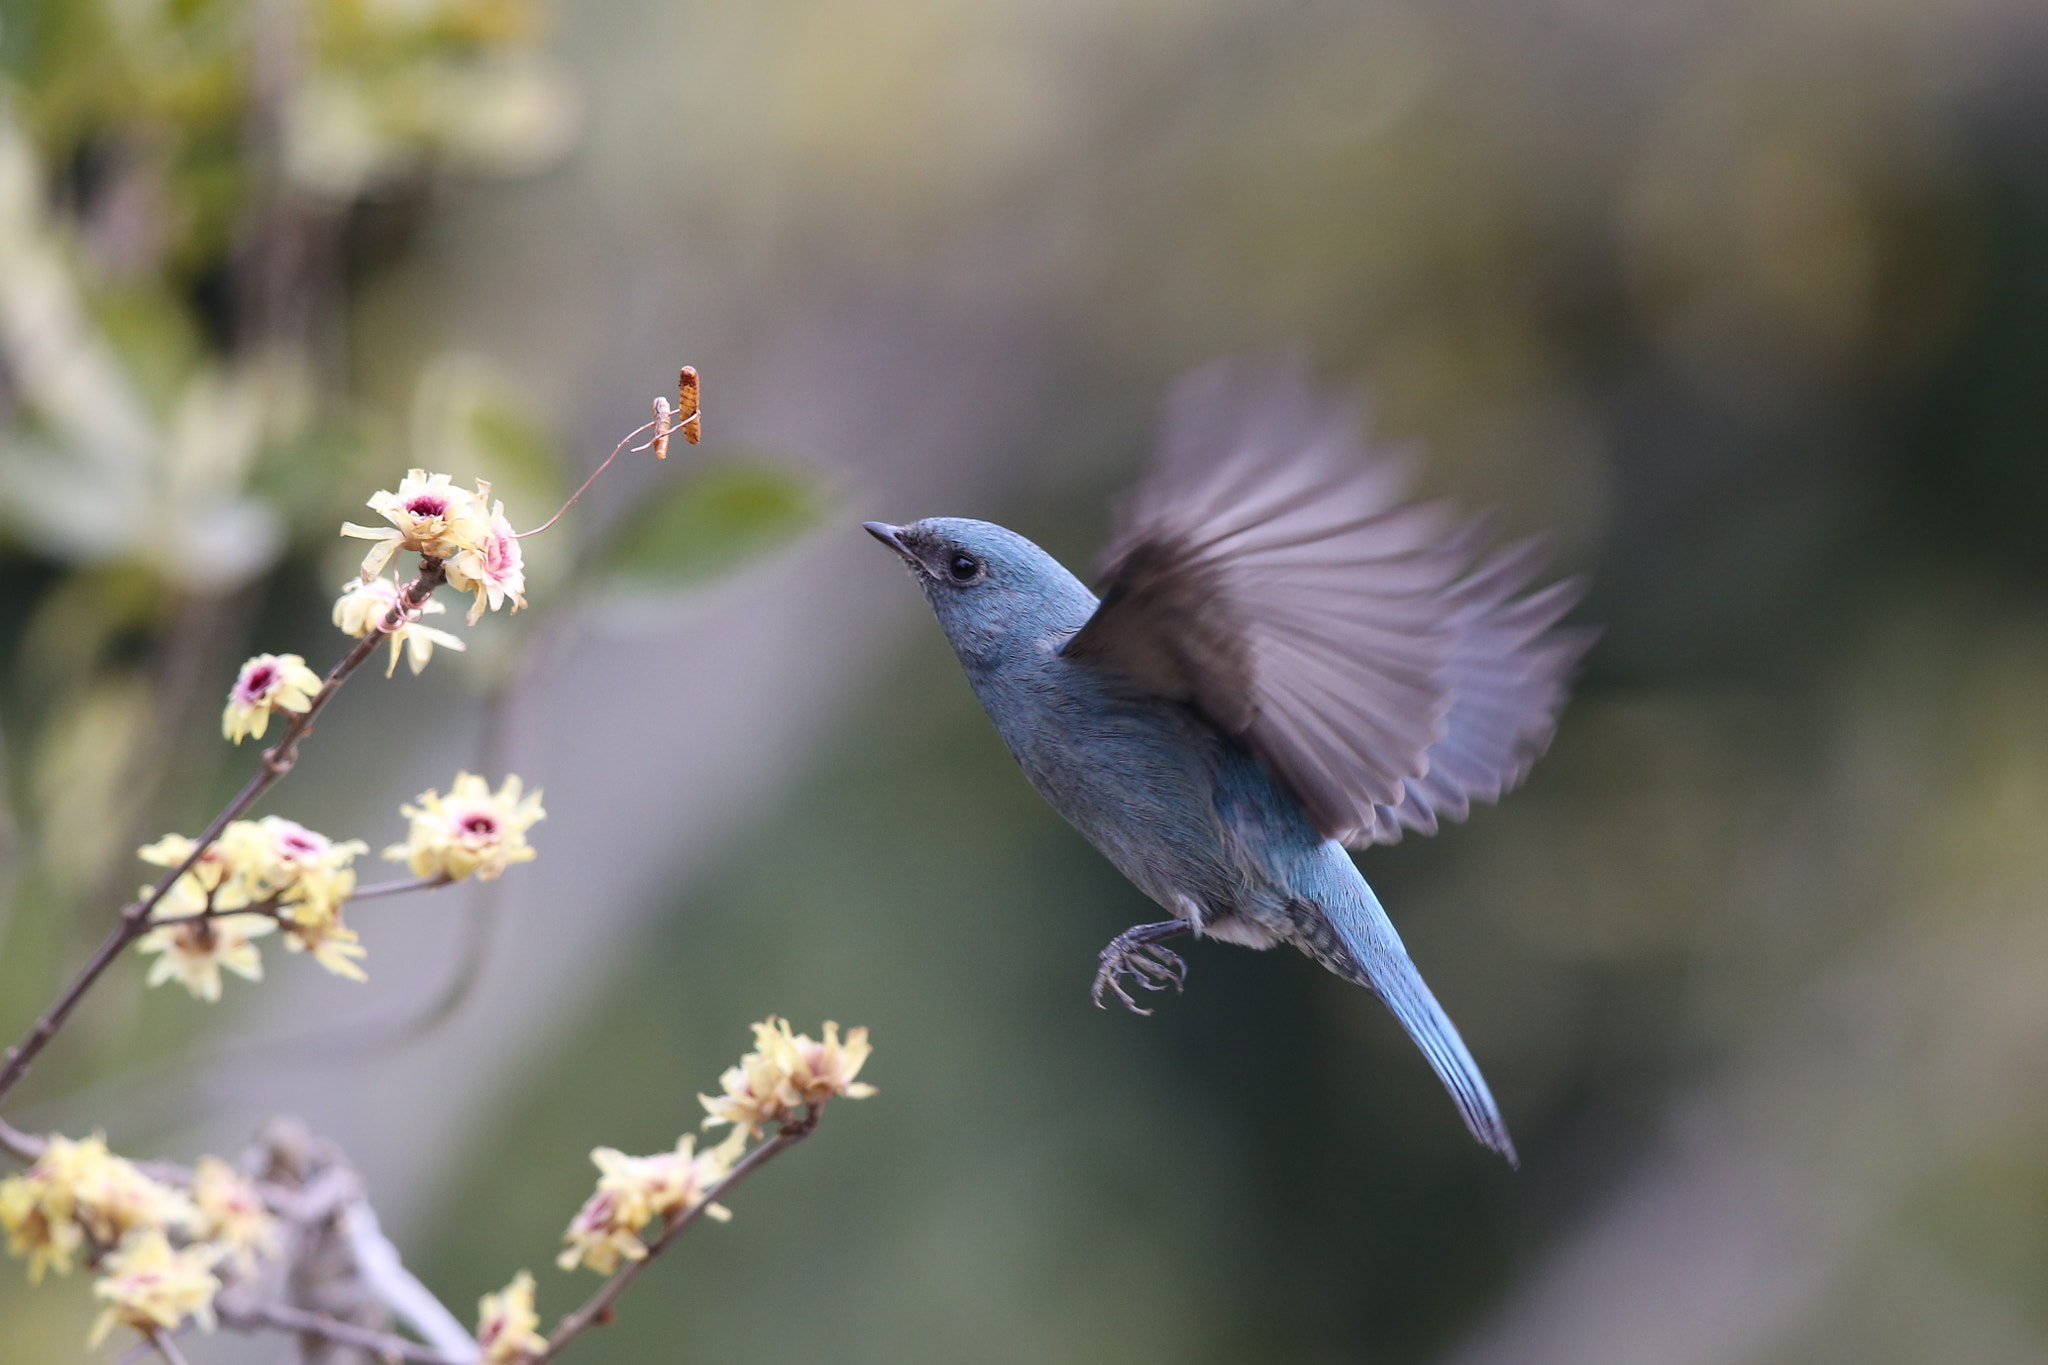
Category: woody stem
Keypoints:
(277, 761)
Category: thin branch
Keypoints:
(598, 1307)
(286, 1319)
(399, 888)
(167, 1348)
(19, 1145)
(586, 483)
(274, 907)
(379, 1267)
(277, 761)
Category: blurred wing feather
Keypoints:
(1267, 572)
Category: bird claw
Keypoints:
(1147, 965)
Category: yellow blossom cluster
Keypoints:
(785, 1071)
(79, 1199)
(269, 681)
(152, 1288)
(232, 1218)
(472, 831)
(258, 875)
(366, 604)
(505, 1323)
(631, 1190)
(79, 1196)
(466, 531)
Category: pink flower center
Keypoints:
(428, 505)
(479, 824)
(258, 681)
(501, 553)
(299, 845)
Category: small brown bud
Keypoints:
(686, 404)
(661, 428)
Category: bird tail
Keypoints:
(1367, 950)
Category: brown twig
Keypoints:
(21, 1146)
(616, 450)
(270, 909)
(277, 761)
(386, 1345)
(167, 1348)
(597, 1308)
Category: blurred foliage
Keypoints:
(713, 518)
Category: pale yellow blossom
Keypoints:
(280, 681)
(505, 1323)
(33, 1231)
(195, 951)
(78, 1194)
(428, 515)
(494, 569)
(822, 1070)
(471, 830)
(364, 606)
(231, 1215)
(302, 875)
(273, 862)
(152, 1288)
(310, 927)
(784, 1071)
(631, 1191)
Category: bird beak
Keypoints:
(892, 536)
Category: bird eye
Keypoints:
(963, 568)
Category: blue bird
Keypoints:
(1286, 660)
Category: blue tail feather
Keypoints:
(1382, 965)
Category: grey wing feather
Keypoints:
(1268, 572)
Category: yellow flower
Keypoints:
(315, 927)
(630, 1191)
(494, 568)
(786, 1070)
(152, 1288)
(823, 1070)
(365, 605)
(470, 830)
(33, 1231)
(755, 1092)
(607, 1227)
(215, 867)
(428, 515)
(195, 951)
(289, 862)
(231, 1215)
(505, 1322)
(268, 680)
(79, 1192)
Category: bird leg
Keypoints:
(1135, 953)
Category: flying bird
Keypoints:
(1287, 660)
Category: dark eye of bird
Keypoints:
(963, 567)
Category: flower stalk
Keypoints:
(597, 1308)
(277, 761)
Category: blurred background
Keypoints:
(1745, 302)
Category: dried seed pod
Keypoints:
(661, 428)
(686, 404)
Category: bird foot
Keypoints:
(1136, 955)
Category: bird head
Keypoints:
(989, 587)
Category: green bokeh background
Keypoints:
(1746, 305)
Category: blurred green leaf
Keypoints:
(516, 449)
(717, 517)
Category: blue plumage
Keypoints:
(1285, 660)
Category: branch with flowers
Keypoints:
(179, 1249)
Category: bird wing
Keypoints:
(1267, 571)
